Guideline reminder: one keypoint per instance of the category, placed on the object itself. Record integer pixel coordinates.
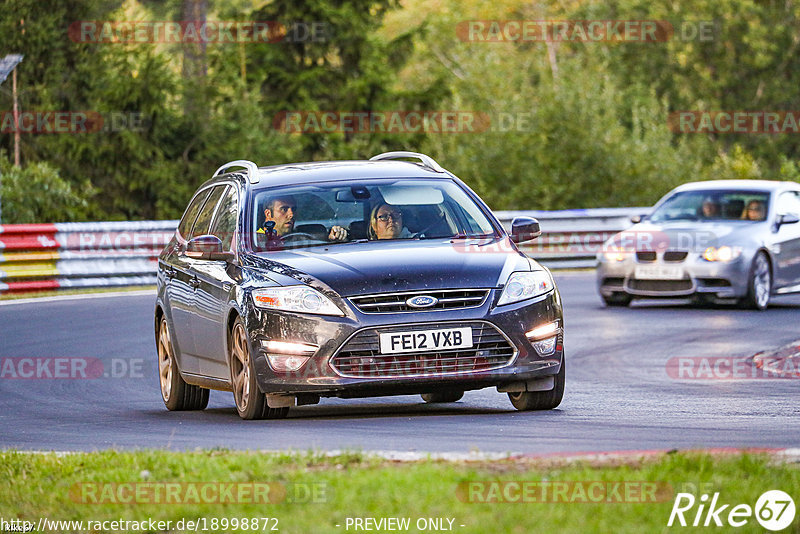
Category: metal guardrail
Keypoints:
(41, 257)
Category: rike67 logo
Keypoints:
(774, 510)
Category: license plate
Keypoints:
(658, 272)
(426, 340)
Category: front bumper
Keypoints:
(416, 372)
(718, 279)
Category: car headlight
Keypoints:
(295, 298)
(613, 253)
(723, 253)
(521, 286)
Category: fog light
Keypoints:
(283, 363)
(286, 347)
(541, 332)
(546, 346)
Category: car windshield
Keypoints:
(713, 205)
(390, 210)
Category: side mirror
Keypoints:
(636, 219)
(207, 247)
(787, 218)
(524, 229)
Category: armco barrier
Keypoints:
(38, 257)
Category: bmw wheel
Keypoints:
(759, 284)
(617, 299)
(176, 394)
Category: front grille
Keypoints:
(447, 299)
(660, 285)
(613, 282)
(675, 255)
(360, 356)
(645, 255)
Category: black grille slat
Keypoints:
(675, 256)
(361, 356)
(448, 299)
(646, 255)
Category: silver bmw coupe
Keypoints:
(713, 241)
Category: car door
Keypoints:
(188, 276)
(180, 293)
(787, 239)
(216, 280)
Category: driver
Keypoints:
(282, 210)
(710, 208)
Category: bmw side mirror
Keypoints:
(787, 218)
(207, 247)
(524, 229)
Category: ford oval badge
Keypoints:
(422, 301)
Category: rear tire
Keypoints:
(442, 396)
(759, 284)
(617, 299)
(176, 394)
(541, 400)
(250, 402)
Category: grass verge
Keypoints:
(310, 493)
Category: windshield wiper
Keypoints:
(462, 235)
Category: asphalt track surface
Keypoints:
(619, 395)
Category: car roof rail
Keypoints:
(427, 161)
(252, 169)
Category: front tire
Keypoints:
(617, 299)
(176, 394)
(443, 396)
(250, 402)
(541, 400)
(759, 284)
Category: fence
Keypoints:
(42, 257)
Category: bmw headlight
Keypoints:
(521, 286)
(723, 253)
(302, 299)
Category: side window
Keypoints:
(224, 225)
(191, 213)
(788, 202)
(203, 220)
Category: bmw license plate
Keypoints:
(426, 340)
(658, 272)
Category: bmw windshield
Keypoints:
(340, 213)
(713, 205)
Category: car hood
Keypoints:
(364, 268)
(688, 235)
